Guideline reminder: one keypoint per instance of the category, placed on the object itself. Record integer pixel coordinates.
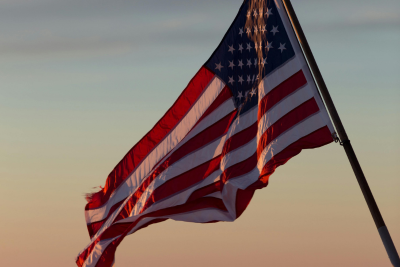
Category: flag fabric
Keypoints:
(249, 109)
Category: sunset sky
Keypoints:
(83, 81)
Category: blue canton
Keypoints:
(248, 52)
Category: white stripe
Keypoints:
(185, 125)
(141, 223)
(239, 154)
(197, 216)
(243, 121)
(283, 107)
(244, 180)
(223, 110)
(203, 216)
(229, 193)
(97, 251)
(182, 197)
(278, 76)
(215, 194)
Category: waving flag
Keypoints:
(250, 108)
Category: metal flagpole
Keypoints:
(344, 140)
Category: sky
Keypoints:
(83, 81)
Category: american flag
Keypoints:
(250, 108)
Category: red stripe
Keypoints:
(243, 198)
(240, 139)
(284, 89)
(131, 160)
(201, 139)
(182, 181)
(222, 97)
(204, 191)
(286, 122)
(315, 139)
(85, 254)
(240, 168)
(94, 227)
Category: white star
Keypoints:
(255, 13)
(240, 47)
(248, 47)
(263, 28)
(282, 47)
(248, 79)
(240, 95)
(263, 61)
(268, 12)
(231, 49)
(269, 45)
(255, 61)
(240, 64)
(274, 30)
(231, 81)
(241, 32)
(253, 92)
(231, 65)
(248, 14)
(241, 79)
(248, 30)
(218, 66)
(249, 63)
(255, 29)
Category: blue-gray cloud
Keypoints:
(98, 27)
(41, 27)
